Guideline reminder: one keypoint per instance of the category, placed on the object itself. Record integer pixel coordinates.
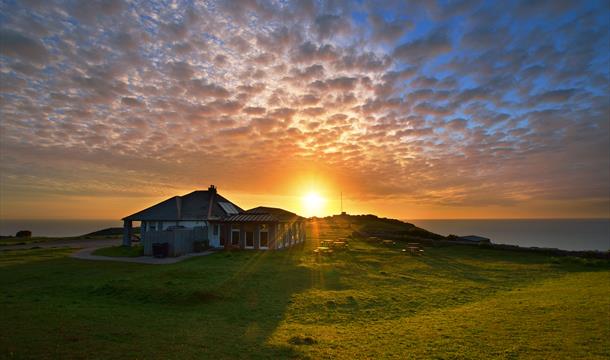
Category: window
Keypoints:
(235, 237)
(215, 229)
(250, 239)
(264, 239)
(152, 226)
(228, 208)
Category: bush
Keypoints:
(199, 246)
(302, 340)
(24, 234)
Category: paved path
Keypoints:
(85, 254)
(84, 243)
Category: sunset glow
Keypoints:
(313, 204)
(414, 110)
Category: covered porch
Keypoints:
(259, 232)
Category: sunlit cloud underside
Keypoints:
(411, 109)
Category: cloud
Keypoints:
(388, 31)
(199, 88)
(180, 70)
(329, 25)
(435, 43)
(131, 101)
(19, 46)
(310, 52)
(381, 99)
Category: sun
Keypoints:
(313, 203)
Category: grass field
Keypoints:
(11, 240)
(369, 302)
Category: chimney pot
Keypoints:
(212, 189)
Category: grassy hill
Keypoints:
(372, 301)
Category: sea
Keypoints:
(566, 234)
(56, 228)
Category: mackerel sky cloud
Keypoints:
(411, 108)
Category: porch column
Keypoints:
(272, 237)
(227, 230)
(127, 231)
(242, 236)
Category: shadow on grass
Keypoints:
(226, 305)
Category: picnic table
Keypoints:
(340, 244)
(323, 250)
(415, 248)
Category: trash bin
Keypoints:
(160, 250)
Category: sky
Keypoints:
(410, 109)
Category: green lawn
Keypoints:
(369, 302)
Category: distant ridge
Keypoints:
(111, 231)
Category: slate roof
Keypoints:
(193, 206)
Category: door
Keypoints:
(264, 237)
(222, 234)
(215, 235)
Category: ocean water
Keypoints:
(566, 234)
(55, 228)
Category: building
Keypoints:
(475, 239)
(205, 215)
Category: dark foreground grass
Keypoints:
(120, 251)
(370, 302)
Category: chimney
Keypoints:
(212, 191)
(179, 206)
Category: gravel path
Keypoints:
(85, 254)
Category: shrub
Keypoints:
(24, 234)
(302, 340)
(199, 246)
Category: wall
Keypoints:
(180, 240)
(189, 224)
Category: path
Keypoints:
(85, 254)
(89, 246)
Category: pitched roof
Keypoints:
(264, 214)
(280, 214)
(251, 218)
(193, 206)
